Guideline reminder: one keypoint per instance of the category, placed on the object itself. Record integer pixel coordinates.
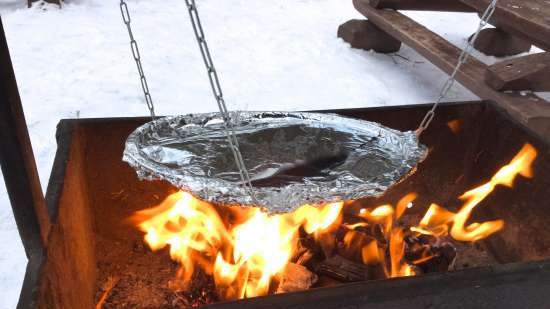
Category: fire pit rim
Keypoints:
(31, 288)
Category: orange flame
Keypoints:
(381, 214)
(371, 254)
(242, 260)
(244, 257)
(404, 203)
(397, 252)
(192, 229)
(437, 219)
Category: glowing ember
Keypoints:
(247, 251)
(454, 125)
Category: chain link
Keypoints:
(218, 95)
(137, 57)
(466, 52)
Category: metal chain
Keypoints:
(135, 52)
(466, 52)
(218, 95)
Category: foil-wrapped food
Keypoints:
(293, 158)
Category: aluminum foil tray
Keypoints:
(292, 158)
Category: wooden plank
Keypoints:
(17, 161)
(530, 72)
(528, 109)
(423, 5)
(529, 19)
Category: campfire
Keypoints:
(244, 252)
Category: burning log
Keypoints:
(429, 254)
(305, 258)
(443, 259)
(308, 253)
(351, 245)
(344, 270)
(296, 278)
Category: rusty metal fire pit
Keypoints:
(80, 240)
(92, 192)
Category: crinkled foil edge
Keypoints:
(207, 188)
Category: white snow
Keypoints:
(271, 55)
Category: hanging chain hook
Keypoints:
(466, 52)
(218, 95)
(137, 57)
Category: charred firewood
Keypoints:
(372, 229)
(350, 247)
(429, 254)
(308, 253)
(444, 257)
(305, 258)
(377, 231)
(344, 270)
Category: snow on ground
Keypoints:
(271, 55)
